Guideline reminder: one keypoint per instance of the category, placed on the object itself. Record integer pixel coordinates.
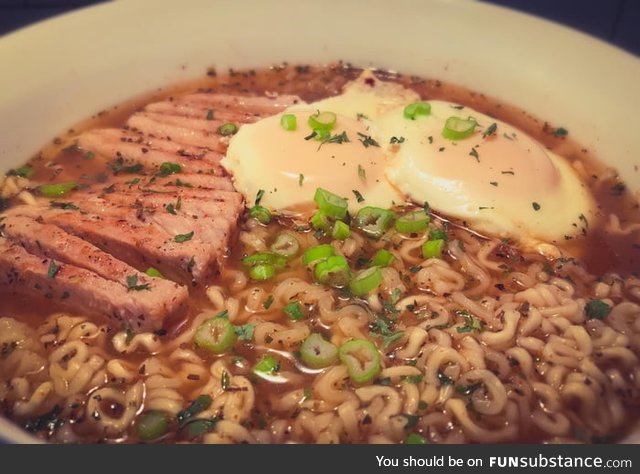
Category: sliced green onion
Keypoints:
(289, 122)
(261, 214)
(57, 190)
(366, 281)
(322, 121)
(411, 111)
(333, 271)
(216, 335)
(262, 272)
(264, 258)
(316, 352)
(415, 439)
(456, 128)
(267, 365)
(340, 230)
(382, 258)
(374, 221)
(317, 254)
(285, 245)
(294, 311)
(362, 360)
(320, 221)
(415, 221)
(152, 424)
(25, 171)
(228, 129)
(432, 248)
(331, 204)
(154, 272)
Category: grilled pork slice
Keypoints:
(194, 119)
(143, 230)
(222, 108)
(139, 306)
(126, 148)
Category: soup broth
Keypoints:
(491, 342)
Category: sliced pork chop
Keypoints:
(142, 308)
(127, 149)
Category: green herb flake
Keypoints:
(259, 196)
(300, 179)
(362, 174)
(67, 206)
(181, 238)
(491, 130)
(474, 153)
(168, 168)
(357, 194)
(367, 140)
(269, 301)
(597, 309)
(53, 269)
(387, 341)
(132, 284)
(245, 332)
(471, 323)
(209, 114)
(415, 379)
(89, 155)
(536, 206)
(396, 140)
(200, 404)
(560, 132)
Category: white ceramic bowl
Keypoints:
(63, 70)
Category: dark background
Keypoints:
(615, 21)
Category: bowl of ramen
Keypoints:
(228, 224)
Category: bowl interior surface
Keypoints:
(63, 70)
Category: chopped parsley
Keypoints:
(53, 269)
(357, 194)
(415, 379)
(471, 323)
(269, 301)
(132, 284)
(259, 196)
(367, 140)
(493, 183)
(180, 238)
(395, 140)
(560, 132)
(89, 155)
(360, 116)
(362, 174)
(182, 184)
(173, 208)
(474, 153)
(67, 206)
(198, 405)
(209, 114)
(300, 179)
(132, 182)
(438, 234)
(118, 166)
(597, 309)
(245, 332)
(168, 168)
(390, 339)
(536, 206)
(491, 130)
